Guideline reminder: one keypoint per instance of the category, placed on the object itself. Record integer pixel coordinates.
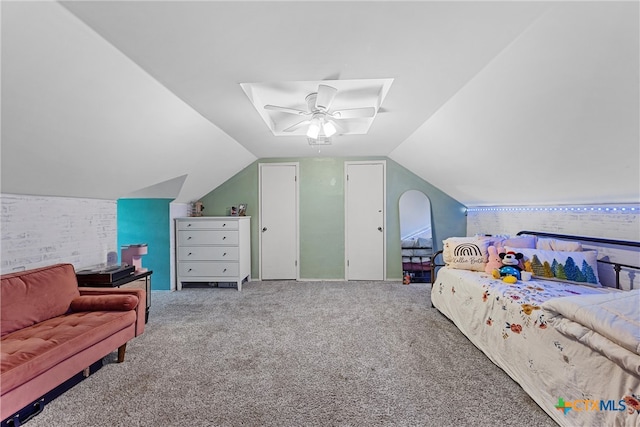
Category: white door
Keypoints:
(365, 221)
(278, 221)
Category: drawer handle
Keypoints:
(224, 254)
(224, 237)
(190, 269)
(224, 224)
(189, 254)
(224, 270)
(189, 225)
(189, 238)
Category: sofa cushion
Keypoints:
(104, 303)
(30, 297)
(31, 351)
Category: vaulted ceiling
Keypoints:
(495, 103)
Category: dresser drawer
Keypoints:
(207, 237)
(208, 253)
(218, 224)
(210, 269)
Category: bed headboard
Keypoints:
(618, 260)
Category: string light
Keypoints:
(611, 209)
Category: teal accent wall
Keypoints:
(321, 186)
(147, 221)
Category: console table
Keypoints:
(136, 280)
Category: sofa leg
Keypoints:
(121, 351)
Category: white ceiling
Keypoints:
(494, 103)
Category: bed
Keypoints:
(416, 259)
(574, 348)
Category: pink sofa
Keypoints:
(52, 330)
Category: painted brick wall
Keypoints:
(620, 222)
(39, 231)
(614, 222)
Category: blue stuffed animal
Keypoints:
(510, 270)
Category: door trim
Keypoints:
(384, 214)
(297, 214)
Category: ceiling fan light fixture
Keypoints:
(320, 141)
(329, 129)
(314, 129)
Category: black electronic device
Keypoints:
(104, 275)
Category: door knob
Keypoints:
(379, 228)
(264, 229)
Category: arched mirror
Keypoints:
(416, 236)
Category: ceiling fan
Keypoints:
(320, 119)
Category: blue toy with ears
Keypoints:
(510, 270)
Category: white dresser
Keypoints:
(213, 249)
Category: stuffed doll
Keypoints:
(495, 262)
(510, 269)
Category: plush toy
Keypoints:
(495, 262)
(510, 269)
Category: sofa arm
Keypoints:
(104, 303)
(139, 293)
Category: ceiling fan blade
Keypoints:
(325, 97)
(334, 76)
(339, 128)
(297, 126)
(354, 113)
(286, 110)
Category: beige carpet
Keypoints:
(297, 354)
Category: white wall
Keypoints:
(620, 221)
(39, 231)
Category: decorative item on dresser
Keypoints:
(213, 249)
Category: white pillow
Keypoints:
(547, 244)
(520, 242)
(465, 253)
(577, 267)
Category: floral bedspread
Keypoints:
(507, 323)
